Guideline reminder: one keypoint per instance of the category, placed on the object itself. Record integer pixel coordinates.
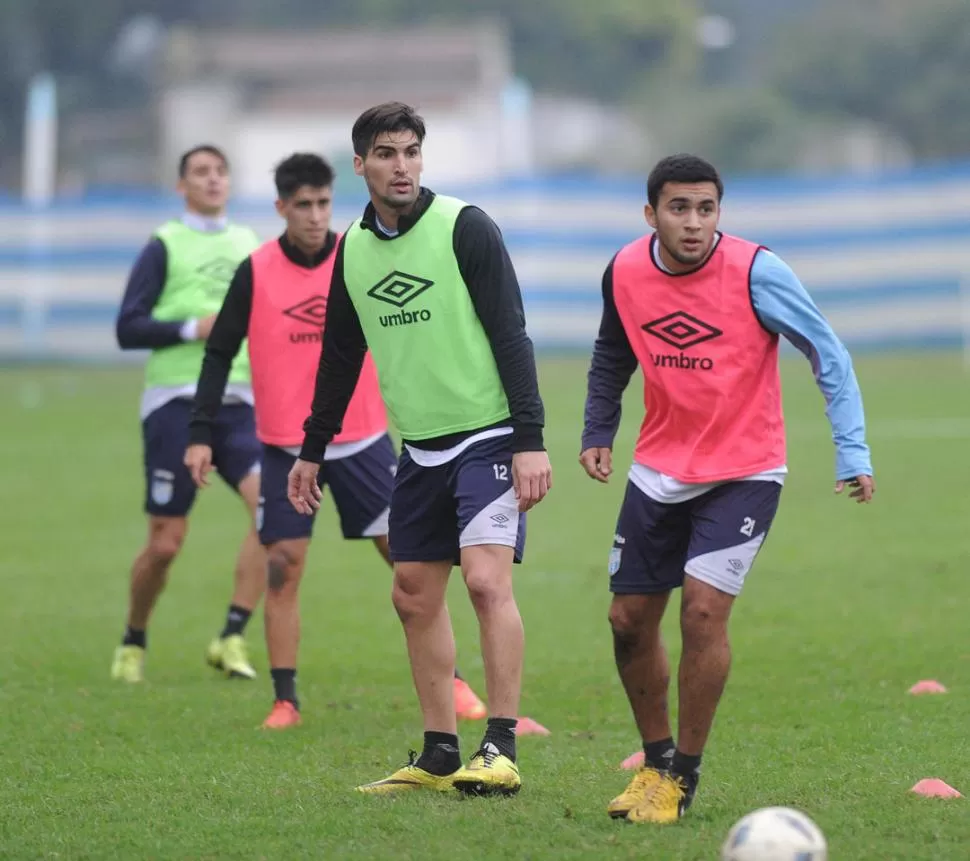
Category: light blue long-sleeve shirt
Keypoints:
(783, 306)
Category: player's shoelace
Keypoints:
(488, 755)
(670, 791)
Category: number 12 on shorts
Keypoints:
(501, 471)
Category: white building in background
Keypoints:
(263, 95)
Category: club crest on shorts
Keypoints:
(163, 486)
(616, 554)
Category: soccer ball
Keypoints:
(775, 834)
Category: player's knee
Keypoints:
(487, 589)
(701, 623)
(627, 619)
(412, 600)
(282, 568)
(164, 543)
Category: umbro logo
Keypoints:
(681, 330)
(220, 270)
(399, 288)
(312, 311)
(499, 520)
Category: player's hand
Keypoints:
(598, 463)
(864, 484)
(302, 489)
(198, 458)
(204, 329)
(531, 477)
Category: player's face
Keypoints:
(392, 169)
(307, 215)
(205, 185)
(685, 220)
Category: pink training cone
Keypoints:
(527, 726)
(927, 686)
(933, 787)
(633, 762)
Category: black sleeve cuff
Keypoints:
(313, 449)
(200, 433)
(527, 438)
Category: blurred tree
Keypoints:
(899, 64)
(73, 40)
(604, 49)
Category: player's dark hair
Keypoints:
(209, 148)
(387, 117)
(300, 169)
(681, 168)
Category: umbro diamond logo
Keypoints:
(681, 330)
(221, 270)
(312, 311)
(399, 288)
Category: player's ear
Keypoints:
(280, 207)
(650, 214)
(358, 165)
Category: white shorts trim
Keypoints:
(726, 569)
(496, 523)
(379, 526)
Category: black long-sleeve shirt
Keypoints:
(135, 328)
(612, 365)
(487, 271)
(228, 332)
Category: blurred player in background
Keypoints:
(425, 283)
(174, 291)
(278, 298)
(701, 312)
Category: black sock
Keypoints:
(687, 767)
(501, 733)
(134, 637)
(236, 620)
(284, 685)
(440, 755)
(658, 754)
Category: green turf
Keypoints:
(847, 607)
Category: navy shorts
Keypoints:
(714, 537)
(360, 485)
(437, 510)
(169, 489)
